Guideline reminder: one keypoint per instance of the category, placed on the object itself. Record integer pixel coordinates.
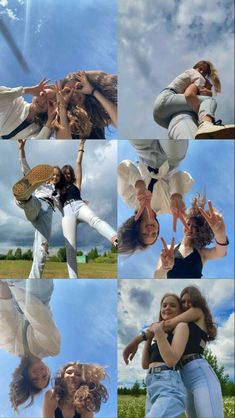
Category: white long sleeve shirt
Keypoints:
(13, 111)
(43, 337)
(182, 81)
(169, 182)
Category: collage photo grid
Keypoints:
(117, 241)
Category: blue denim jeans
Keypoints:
(183, 125)
(166, 395)
(204, 397)
(39, 213)
(75, 212)
(168, 103)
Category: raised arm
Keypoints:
(79, 163)
(166, 260)
(171, 353)
(87, 88)
(25, 168)
(63, 97)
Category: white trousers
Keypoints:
(75, 212)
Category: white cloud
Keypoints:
(3, 3)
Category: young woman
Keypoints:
(90, 105)
(76, 210)
(20, 119)
(186, 260)
(46, 182)
(77, 392)
(27, 330)
(182, 95)
(204, 398)
(154, 188)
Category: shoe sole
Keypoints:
(24, 188)
(224, 133)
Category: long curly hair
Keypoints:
(205, 235)
(198, 301)
(212, 73)
(21, 388)
(90, 392)
(129, 239)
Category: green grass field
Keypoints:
(11, 269)
(132, 407)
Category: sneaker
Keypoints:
(209, 131)
(39, 175)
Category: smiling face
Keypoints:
(73, 376)
(78, 98)
(39, 374)
(39, 104)
(185, 301)
(192, 228)
(148, 231)
(56, 176)
(170, 307)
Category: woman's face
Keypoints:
(39, 104)
(170, 308)
(56, 176)
(185, 301)
(203, 69)
(73, 376)
(39, 374)
(67, 175)
(78, 98)
(148, 231)
(193, 228)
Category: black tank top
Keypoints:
(196, 334)
(58, 414)
(154, 355)
(189, 267)
(72, 192)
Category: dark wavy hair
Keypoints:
(129, 239)
(21, 388)
(198, 301)
(176, 297)
(90, 392)
(70, 168)
(205, 235)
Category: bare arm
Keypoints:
(49, 405)
(79, 163)
(64, 132)
(191, 315)
(191, 97)
(166, 260)
(131, 349)
(171, 353)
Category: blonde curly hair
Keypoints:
(212, 73)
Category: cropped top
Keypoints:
(189, 267)
(196, 334)
(154, 355)
(72, 192)
(58, 414)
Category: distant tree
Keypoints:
(113, 249)
(105, 254)
(79, 253)
(135, 389)
(10, 255)
(61, 254)
(18, 254)
(93, 254)
(28, 255)
(219, 370)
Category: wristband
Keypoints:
(82, 150)
(223, 243)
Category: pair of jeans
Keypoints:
(154, 152)
(183, 126)
(75, 212)
(168, 103)
(166, 395)
(40, 289)
(204, 396)
(39, 213)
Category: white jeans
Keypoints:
(39, 213)
(183, 125)
(75, 212)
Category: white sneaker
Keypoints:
(208, 130)
(39, 175)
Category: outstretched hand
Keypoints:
(214, 219)
(130, 351)
(83, 84)
(167, 254)
(144, 199)
(36, 90)
(21, 143)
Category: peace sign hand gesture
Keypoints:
(177, 208)
(144, 198)
(167, 255)
(214, 219)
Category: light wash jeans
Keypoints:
(183, 126)
(169, 103)
(39, 288)
(166, 395)
(39, 213)
(75, 212)
(204, 397)
(154, 152)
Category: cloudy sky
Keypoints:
(99, 188)
(139, 303)
(76, 302)
(211, 164)
(57, 37)
(158, 41)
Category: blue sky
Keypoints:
(85, 313)
(211, 164)
(139, 302)
(57, 37)
(158, 41)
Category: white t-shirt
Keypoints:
(182, 81)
